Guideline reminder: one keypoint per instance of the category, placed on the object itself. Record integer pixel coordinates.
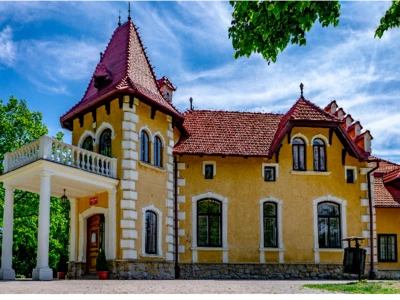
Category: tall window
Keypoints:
(105, 143)
(329, 235)
(157, 152)
(144, 147)
(319, 155)
(151, 233)
(209, 217)
(270, 225)
(387, 247)
(299, 155)
(87, 145)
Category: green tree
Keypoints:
(267, 27)
(18, 127)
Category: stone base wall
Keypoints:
(263, 271)
(133, 269)
(388, 274)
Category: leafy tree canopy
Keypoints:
(18, 127)
(267, 27)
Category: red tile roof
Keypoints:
(228, 133)
(127, 64)
(386, 195)
(302, 110)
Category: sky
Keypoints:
(49, 50)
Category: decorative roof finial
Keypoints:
(301, 90)
(129, 11)
(119, 19)
(101, 56)
(191, 103)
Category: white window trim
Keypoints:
(224, 248)
(323, 173)
(146, 129)
(210, 162)
(281, 247)
(322, 137)
(276, 166)
(159, 231)
(343, 223)
(300, 135)
(158, 134)
(103, 127)
(84, 136)
(350, 168)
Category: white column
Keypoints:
(112, 224)
(42, 270)
(72, 235)
(6, 271)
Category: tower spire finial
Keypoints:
(129, 11)
(191, 103)
(301, 90)
(119, 19)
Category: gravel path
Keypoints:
(26, 286)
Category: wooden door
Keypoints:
(93, 242)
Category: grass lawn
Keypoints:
(363, 287)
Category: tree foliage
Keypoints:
(20, 126)
(267, 27)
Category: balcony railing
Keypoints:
(49, 149)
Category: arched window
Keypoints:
(87, 145)
(105, 143)
(329, 232)
(209, 221)
(151, 232)
(299, 154)
(270, 224)
(158, 151)
(319, 155)
(144, 147)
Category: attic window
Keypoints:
(100, 82)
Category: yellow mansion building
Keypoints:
(204, 194)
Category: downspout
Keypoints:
(371, 219)
(177, 268)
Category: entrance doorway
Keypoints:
(95, 240)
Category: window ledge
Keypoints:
(148, 165)
(310, 173)
(272, 249)
(328, 249)
(151, 255)
(209, 249)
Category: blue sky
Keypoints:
(48, 52)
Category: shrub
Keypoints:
(101, 261)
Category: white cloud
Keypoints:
(7, 47)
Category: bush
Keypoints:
(101, 261)
(62, 265)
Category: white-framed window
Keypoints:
(330, 224)
(209, 169)
(350, 174)
(269, 171)
(205, 218)
(151, 231)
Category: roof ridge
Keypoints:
(234, 111)
(320, 109)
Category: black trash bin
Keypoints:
(354, 257)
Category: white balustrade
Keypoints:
(49, 149)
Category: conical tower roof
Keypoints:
(126, 70)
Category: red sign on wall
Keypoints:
(93, 200)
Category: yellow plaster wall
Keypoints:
(241, 181)
(388, 222)
(152, 181)
(115, 120)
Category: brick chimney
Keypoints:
(166, 87)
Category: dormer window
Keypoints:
(102, 77)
